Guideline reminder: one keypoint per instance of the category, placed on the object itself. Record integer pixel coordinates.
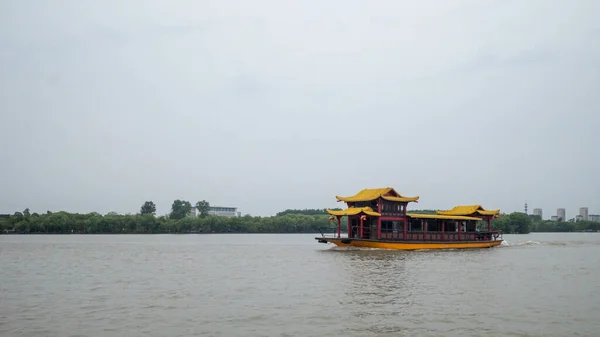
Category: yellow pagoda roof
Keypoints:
(354, 211)
(468, 210)
(441, 217)
(369, 194)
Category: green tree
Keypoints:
(516, 222)
(180, 209)
(203, 207)
(26, 213)
(18, 216)
(520, 223)
(306, 211)
(148, 208)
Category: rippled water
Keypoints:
(290, 285)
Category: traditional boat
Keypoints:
(377, 218)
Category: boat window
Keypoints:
(392, 207)
(416, 225)
(364, 204)
(434, 225)
(387, 226)
(450, 226)
(471, 225)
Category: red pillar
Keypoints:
(379, 219)
(403, 205)
(339, 226)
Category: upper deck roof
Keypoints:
(354, 211)
(369, 194)
(441, 217)
(468, 210)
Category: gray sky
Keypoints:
(268, 105)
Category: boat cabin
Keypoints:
(381, 214)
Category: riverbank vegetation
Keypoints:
(520, 223)
(178, 221)
(94, 223)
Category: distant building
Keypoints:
(538, 211)
(578, 217)
(224, 211)
(194, 212)
(217, 210)
(562, 214)
(583, 212)
(594, 217)
(554, 218)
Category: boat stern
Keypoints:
(336, 241)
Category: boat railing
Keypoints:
(443, 236)
(328, 233)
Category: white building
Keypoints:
(538, 211)
(194, 212)
(217, 210)
(583, 212)
(594, 217)
(554, 218)
(562, 214)
(224, 211)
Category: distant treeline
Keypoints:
(306, 211)
(520, 223)
(94, 223)
(421, 211)
(316, 211)
(288, 221)
(553, 226)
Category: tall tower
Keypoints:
(583, 212)
(525, 207)
(561, 213)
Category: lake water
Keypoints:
(290, 285)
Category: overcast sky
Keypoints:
(268, 105)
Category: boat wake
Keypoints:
(506, 243)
